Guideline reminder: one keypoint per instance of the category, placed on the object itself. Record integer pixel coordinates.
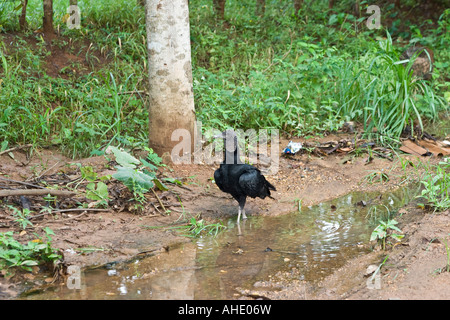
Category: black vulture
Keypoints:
(239, 179)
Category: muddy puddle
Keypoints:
(315, 241)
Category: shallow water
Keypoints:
(315, 241)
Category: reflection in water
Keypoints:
(316, 241)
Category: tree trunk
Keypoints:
(47, 24)
(170, 73)
(219, 6)
(23, 16)
(260, 7)
(297, 5)
(357, 9)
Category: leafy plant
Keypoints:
(138, 175)
(15, 254)
(21, 216)
(95, 190)
(196, 227)
(378, 176)
(383, 231)
(436, 184)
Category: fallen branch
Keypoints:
(81, 209)
(69, 210)
(16, 148)
(36, 192)
(22, 182)
(45, 171)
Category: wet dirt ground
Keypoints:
(408, 273)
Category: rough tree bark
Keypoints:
(297, 5)
(47, 23)
(23, 16)
(260, 7)
(170, 73)
(330, 4)
(357, 9)
(219, 6)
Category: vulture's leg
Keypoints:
(241, 208)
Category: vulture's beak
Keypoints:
(220, 135)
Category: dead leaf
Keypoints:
(412, 148)
(433, 148)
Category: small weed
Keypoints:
(447, 249)
(377, 177)
(98, 192)
(384, 230)
(436, 184)
(298, 204)
(21, 216)
(446, 268)
(15, 254)
(138, 175)
(196, 228)
(95, 190)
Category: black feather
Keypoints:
(238, 179)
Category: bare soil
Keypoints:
(120, 233)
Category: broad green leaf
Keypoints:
(124, 158)
(134, 179)
(88, 173)
(99, 192)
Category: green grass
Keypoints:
(303, 76)
(388, 97)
